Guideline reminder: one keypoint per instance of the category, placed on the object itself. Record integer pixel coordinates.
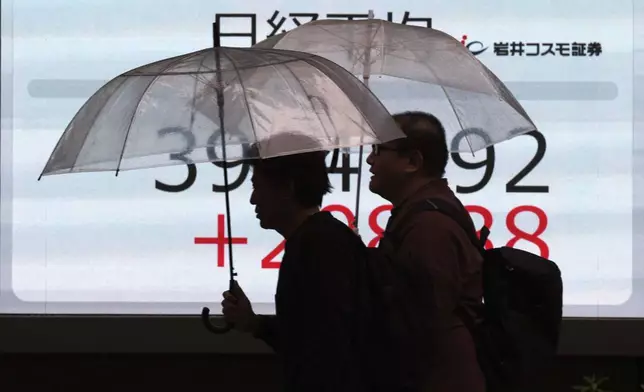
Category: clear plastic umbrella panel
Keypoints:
(254, 94)
(280, 102)
(448, 74)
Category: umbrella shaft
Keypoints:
(220, 104)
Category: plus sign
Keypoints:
(221, 240)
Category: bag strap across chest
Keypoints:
(396, 237)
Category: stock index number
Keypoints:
(511, 186)
(340, 163)
(191, 177)
(345, 169)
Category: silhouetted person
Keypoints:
(405, 172)
(314, 330)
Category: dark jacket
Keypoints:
(314, 330)
(439, 251)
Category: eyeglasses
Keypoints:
(376, 149)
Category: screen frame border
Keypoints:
(186, 334)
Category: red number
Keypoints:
(343, 210)
(269, 261)
(375, 227)
(519, 234)
(487, 221)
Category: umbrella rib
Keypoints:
(337, 35)
(193, 108)
(60, 139)
(209, 70)
(460, 123)
(348, 41)
(362, 58)
(282, 78)
(382, 23)
(322, 60)
(91, 126)
(136, 109)
(381, 27)
(301, 58)
(427, 33)
(250, 116)
(307, 95)
(170, 60)
(368, 47)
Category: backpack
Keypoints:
(517, 333)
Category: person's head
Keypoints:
(288, 186)
(401, 163)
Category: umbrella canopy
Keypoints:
(369, 47)
(253, 94)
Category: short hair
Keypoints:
(307, 171)
(425, 134)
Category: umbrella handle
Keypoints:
(218, 329)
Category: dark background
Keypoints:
(176, 353)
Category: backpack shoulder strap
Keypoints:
(447, 209)
(395, 237)
(453, 213)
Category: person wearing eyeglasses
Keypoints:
(405, 172)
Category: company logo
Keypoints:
(532, 49)
(475, 47)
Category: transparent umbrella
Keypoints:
(252, 94)
(478, 99)
(226, 96)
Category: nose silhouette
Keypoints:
(370, 158)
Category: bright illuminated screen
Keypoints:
(147, 241)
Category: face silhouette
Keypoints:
(390, 169)
(273, 201)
